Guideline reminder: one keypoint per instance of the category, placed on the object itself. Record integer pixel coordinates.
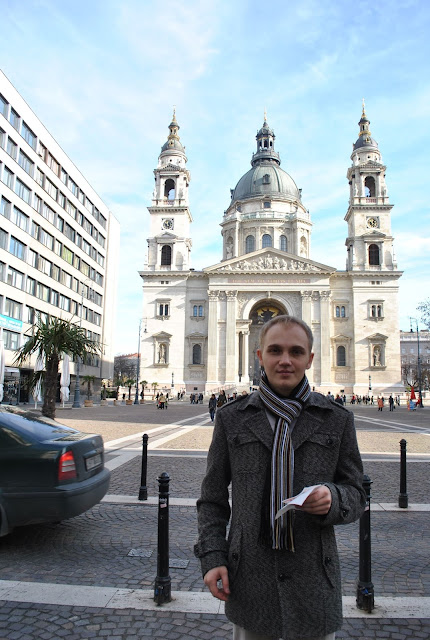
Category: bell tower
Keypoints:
(369, 242)
(169, 246)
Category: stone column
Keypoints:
(212, 366)
(230, 339)
(325, 337)
(245, 350)
(307, 307)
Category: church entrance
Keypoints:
(261, 313)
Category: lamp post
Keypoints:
(136, 398)
(418, 360)
(173, 383)
(77, 397)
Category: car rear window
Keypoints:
(36, 430)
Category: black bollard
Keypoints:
(365, 592)
(162, 591)
(403, 496)
(143, 491)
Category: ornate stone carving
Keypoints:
(270, 263)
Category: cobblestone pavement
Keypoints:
(93, 549)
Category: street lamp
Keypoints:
(418, 360)
(136, 398)
(77, 397)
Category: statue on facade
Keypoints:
(162, 354)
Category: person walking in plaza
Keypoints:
(279, 576)
(391, 402)
(380, 403)
(222, 398)
(212, 406)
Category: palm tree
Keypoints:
(52, 338)
(129, 383)
(143, 383)
(154, 385)
(88, 380)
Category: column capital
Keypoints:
(213, 295)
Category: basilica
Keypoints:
(200, 328)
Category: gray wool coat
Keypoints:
(277, 592)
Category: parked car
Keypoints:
(48, 472)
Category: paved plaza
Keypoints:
(93, 576)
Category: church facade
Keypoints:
(200, 328)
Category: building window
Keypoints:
(30, 286)
(267, 204)
(22, 191)
(198, 311)
(46, 239)
(13, 309)
(341, 356)
(169, 189)
(4, 104)
(197, 354)
(267, 241)
(17, 248)
(20, 219)
(8, 177)
(42, 292)
(5, 207)
(11, 339)
(283, 243)
(376, 310)
(249, 244)
(369, 187)
(3, 239)
(40, 177)
(44, 266)
(374, 255)
(163, 310)
(51, 189)
(166, 255)
(266, 178)
(73, 187)
(28, 135)
(2, 135)
(14, 119)
(340, 311)
(25, 162)
(53, 164)
(15, 278)
(63, 177)
(11, 148)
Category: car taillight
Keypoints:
(66, 467)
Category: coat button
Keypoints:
(327, 560)
(235, 556)
(329, 442)
(283, 576)
(344, 512)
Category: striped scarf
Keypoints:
(282, 468)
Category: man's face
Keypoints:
(285, 356)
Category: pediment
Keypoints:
(166, 236)
(372, 235)
(173, 167)
(162, 335)
(377, 336)
(269, 260)
(196, 335)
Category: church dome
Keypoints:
(265, 179)
(365, 138)
(172, 144)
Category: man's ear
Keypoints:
(308, 366)
(259, 357)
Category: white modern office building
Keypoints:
(201, 327)
(59, 243)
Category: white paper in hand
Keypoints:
(297, 501)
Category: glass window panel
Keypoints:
(11, 148)
(22, 191)
(4, 104)
(14, 118)
(8, 177)
(28, 135)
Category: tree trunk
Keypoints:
(50, 394)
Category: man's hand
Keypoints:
(319, 502)
(215, 576)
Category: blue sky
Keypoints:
(104, 75)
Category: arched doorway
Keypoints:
(260, 313)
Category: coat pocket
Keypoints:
(245, 453)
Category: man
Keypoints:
(212, 406)
(279, 577)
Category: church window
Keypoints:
(267, 241)
(283, 243)
(163, 309)
(266, 178)
(267, 205)
(169, 189)
(249, 244)
(374, 255)
(341, 356)
(197, 354)
(342, 312)
(369, 187)
(337, 312)
(166, 255)
(265, 144)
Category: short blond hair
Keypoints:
(286, 320)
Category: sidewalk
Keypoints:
(107, 558)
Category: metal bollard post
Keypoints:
(403, 496)
(162, 590)
(143, 491)
(365, 592)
